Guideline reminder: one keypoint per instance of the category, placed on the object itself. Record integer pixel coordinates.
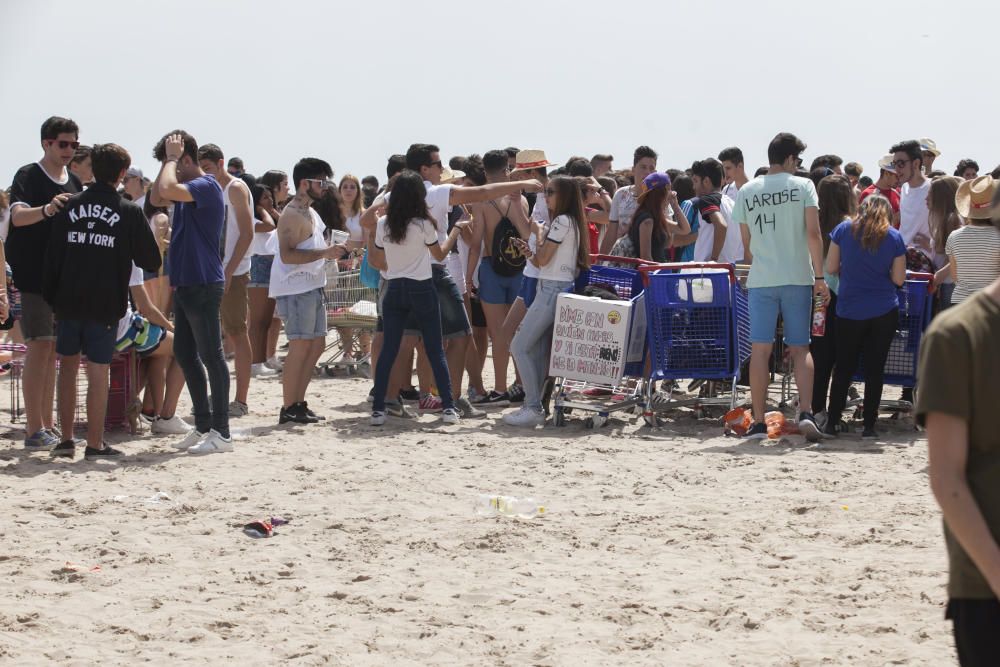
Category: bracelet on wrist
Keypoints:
(819, 278)
(45, 216)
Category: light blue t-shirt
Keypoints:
(774, 207)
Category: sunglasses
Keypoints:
(899, 164)
(322, 182)
(437, 164)
(65, 144)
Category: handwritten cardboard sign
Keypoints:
(590, 338)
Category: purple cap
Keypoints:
(656, 180)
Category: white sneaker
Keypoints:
(524, 417)
(274, 364)
(261, 370)
(450, 416)
(173, 426)
(191, 439)
(213, 444)
(378, 418)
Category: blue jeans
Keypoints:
(417, 301)
(198, 348)
(530, 347)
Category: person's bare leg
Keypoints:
(346, 335)
(241, 346)
(425, 376)
(49, 397)
(496, 315)
(273, 331)
(760, 355)
(365, 344)
(299, 352)
(38, 361)
(803, 361)
(97, 403)
(402, 368)
(157, 365)
(454, 352)
(316, 348)
(175, 385)
(68, 370)
(473, 366)
(260, 313)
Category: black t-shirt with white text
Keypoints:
(25, 246)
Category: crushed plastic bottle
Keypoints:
(488, 505)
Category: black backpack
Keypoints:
(505, 258)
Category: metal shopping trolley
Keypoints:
(698, 325)
(916, 298)
(351, 310)
(623, 391)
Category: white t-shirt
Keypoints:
(411, 258)
(731, 190)
(438, 206)
(913, 212)
(732, 249)
(233, 230)
(623, 206)
(539, 214)
(562, 266)
(353, 226)
(134, 280)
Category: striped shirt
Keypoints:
(975, 251)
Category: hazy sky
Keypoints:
(352, 83)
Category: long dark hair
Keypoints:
(330, 209)
(569, 202)
(836, 202)
(257, 192)
(651, 202)
(407, 203)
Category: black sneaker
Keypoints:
(515, 394)
(304, 407)
(411, 395)
(831, 429)
(495, 398)
(294, 414)
(867, 434)
(65, 449)
(757, 432)
(808, 427)
(106, 452)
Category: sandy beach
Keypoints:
(673, 546)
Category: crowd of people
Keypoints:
(473, 255)
(206, 259)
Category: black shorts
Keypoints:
(477, 315)
(454, 320)
(975, 624)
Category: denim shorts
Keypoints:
(304, 314)
(794, 302)
(529, 287)
(454, 319)
(260, 270)
(95, 340)
(497, 289)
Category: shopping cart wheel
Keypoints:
(329, 371)
(597, 421)
(558, 417)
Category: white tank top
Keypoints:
(289, 279)
(232, 234)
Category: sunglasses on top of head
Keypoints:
(64, 144)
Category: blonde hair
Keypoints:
(357, 207)
(943, 217)
(873, 222)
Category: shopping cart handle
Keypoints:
(624, 260)
(926, 277)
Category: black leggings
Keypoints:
(824, 354)
(872, 338)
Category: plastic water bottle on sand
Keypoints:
(487, 505)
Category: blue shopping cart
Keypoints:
(698, 327)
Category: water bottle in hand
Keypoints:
(488, 505)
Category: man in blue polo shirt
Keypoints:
(199, 282)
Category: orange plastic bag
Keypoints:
(738, 421)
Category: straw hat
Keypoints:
(974, 198)
(449, 175)
(929, 146)
(531, 159)
(886, 163)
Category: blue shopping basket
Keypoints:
(698, 323)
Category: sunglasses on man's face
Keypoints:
(322, 182)
(63, 145)
(899, 164)
(436, 163)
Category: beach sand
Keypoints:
(673, 546)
